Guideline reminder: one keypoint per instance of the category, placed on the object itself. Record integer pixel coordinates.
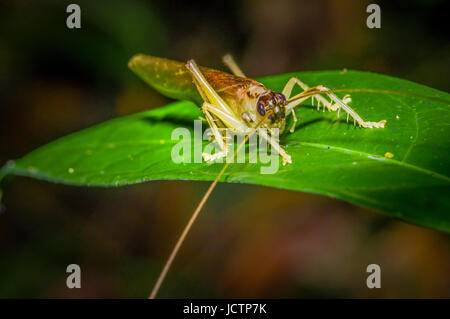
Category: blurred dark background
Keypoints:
(54, 81)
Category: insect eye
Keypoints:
(260, 109)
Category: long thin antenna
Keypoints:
(188, 226)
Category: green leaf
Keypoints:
(330, 157)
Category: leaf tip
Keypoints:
(135, 60)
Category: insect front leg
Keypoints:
(287, 91)
(335, 104)
(207, 110)
(286, 157)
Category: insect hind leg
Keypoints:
(304, 95)
(299, 98)
(232, 65)
(335, 104)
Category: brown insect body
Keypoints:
(249, 99)
(242, 94)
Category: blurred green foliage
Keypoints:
(329, 157)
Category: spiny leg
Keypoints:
(320, 99)
(342, 104)
(316, 92)
(313, 93)
(211, 109)
(287, 91)
(232, 65)
(286, 157)
(214, 114)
